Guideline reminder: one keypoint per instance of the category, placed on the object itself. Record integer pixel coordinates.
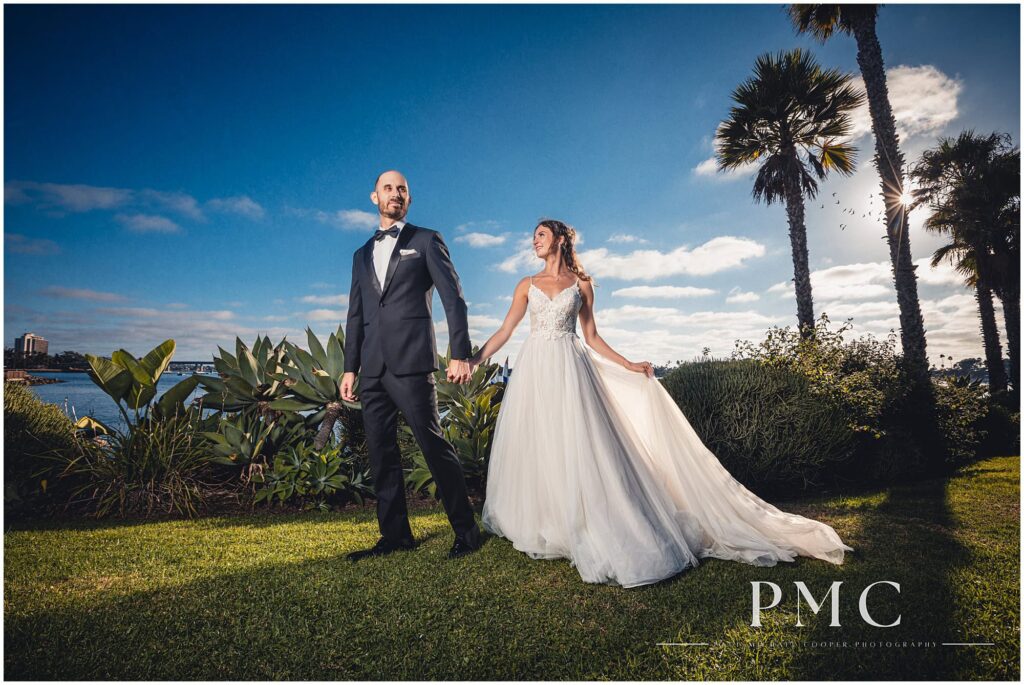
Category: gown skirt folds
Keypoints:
(597, 464)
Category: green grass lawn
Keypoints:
(273, 597)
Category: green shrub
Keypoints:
(154, 465)
(31, 428)
(1001, 425)
(315, 479)
(763, 422)
(897, 436)
(862, 376)
(962, 405)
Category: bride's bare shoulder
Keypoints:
(522, 286)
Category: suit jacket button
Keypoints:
(381, 304)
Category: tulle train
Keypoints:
(597, 464)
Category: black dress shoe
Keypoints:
(382, 547)
(461, 548)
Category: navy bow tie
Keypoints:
(393, 232)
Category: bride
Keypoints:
(593, 461)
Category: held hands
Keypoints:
(642, 367)
(459, 371)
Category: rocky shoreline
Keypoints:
(39, 380)
(28, 379)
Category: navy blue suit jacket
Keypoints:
(390, 324)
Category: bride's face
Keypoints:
(544, 242)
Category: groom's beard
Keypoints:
(394, 212)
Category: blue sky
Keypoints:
(200, 172)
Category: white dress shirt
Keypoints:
(382, 250)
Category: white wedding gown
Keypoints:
(596, 464)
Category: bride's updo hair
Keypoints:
(568, 235)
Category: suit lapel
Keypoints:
(403, 239)
(368, 263)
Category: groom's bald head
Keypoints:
(391, 195)
(398, 176)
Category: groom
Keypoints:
(389, 341)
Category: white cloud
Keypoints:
(340, 299)
(717, 254)
(239, 204)
(348, 219)
(709, 169)
(327, 315)
(626, 238)
(662, 291)
(860, 310)
(147, 223)
(180, 203)
(69, 197)
(866, 281)
(481, 239)
(488, 226)
(20, 244)
(924, 100)
(522, 259)
(84, 198)
(101, 330)
(669, 316)
(81, 294)
(482, 321)
(154, 313)
(736, 296)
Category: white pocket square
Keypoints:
(405, 252)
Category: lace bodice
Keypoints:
(555, 317)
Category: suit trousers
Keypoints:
(414, 395)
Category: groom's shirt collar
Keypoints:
(400, 224)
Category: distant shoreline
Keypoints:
(29, 379)
(52, 370)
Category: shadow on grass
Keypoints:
(909, 540)
(907, 536)
(498, 614)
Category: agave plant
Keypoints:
(244, 440)
(133, 382)
(250, 380)
(313, 381)
(301, 471)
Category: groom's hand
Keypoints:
(347, 381)
(459, 371)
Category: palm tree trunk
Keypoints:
(334, 410)
(890, 165)
(1011, 318)
(990, 336)
(801, 270)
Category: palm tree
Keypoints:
(788, 107)
(1004, 182)
(821, 21)
(974, 195)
